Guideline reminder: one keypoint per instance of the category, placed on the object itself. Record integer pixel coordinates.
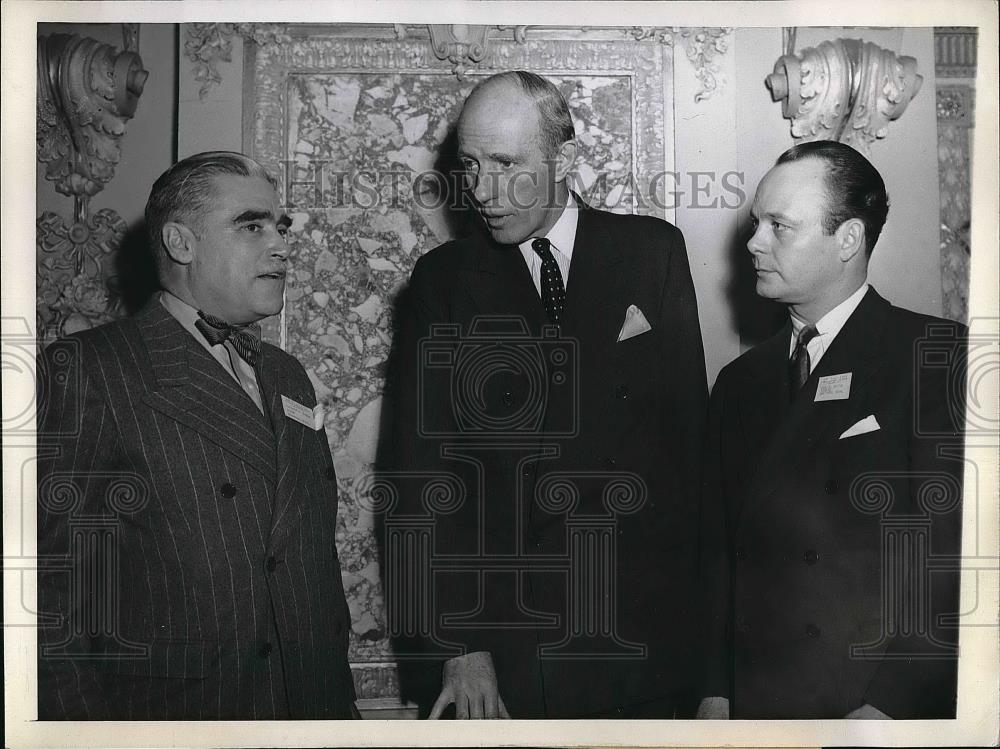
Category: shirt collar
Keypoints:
(185, 314)
(831, 323)
(562, 235)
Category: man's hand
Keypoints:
(713, 708)
(471, 683)
(867, 712)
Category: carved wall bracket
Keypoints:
(87, 91)
(846, 90)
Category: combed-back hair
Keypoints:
(853, 186)
(185, 190)
(554, 122)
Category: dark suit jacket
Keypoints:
(189, 564)
(816, 544)
(564, 418)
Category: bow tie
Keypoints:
(245, 338)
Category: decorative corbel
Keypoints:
(846, 90)
(87, 91)
(208, 44)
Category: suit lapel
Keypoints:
(806, 424)
(290, 439)
(189, 386)
(499, 282)
(592, 277)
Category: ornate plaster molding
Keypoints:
(646, 65)
(955, 51)
(702, 45)
(73, 293)
(846, 90)
(208, 44)
(955, 104)
(87, 91)
(462, 45)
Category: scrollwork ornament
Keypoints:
(208, 44)
(73, 293)
(846, 90)
(87, 91)
(702, 46)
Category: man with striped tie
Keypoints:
(186, 492)
(552, 364)
(832, 507)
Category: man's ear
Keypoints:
(565, 159)
(179, 242)
(851, 239)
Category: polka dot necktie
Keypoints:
(245, 338)
(553, 293)
(798, 367)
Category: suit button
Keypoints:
(812, 630)
(264, 650)
(621, 392)
(810, 557)
(741, 553)
(271, 564)
(536, 539)
(610, 462)
(227, 490)
(331, 474)
(830, 487)
(507, 398)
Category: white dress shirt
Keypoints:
(827, 327)
(224, 353)
(561, 238)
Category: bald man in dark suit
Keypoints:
(570, 416)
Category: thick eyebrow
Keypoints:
(502, 157)
(252, 215)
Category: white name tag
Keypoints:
(834, 387)
(308, 417)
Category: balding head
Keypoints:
(519, 89)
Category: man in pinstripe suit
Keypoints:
(186, 493)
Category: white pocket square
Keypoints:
(635, 324)
(867, 424)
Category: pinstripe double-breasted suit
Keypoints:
(188, 560)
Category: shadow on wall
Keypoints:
(135, 266)
(756, 319)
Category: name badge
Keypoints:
(311, 418)
(834, 387)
